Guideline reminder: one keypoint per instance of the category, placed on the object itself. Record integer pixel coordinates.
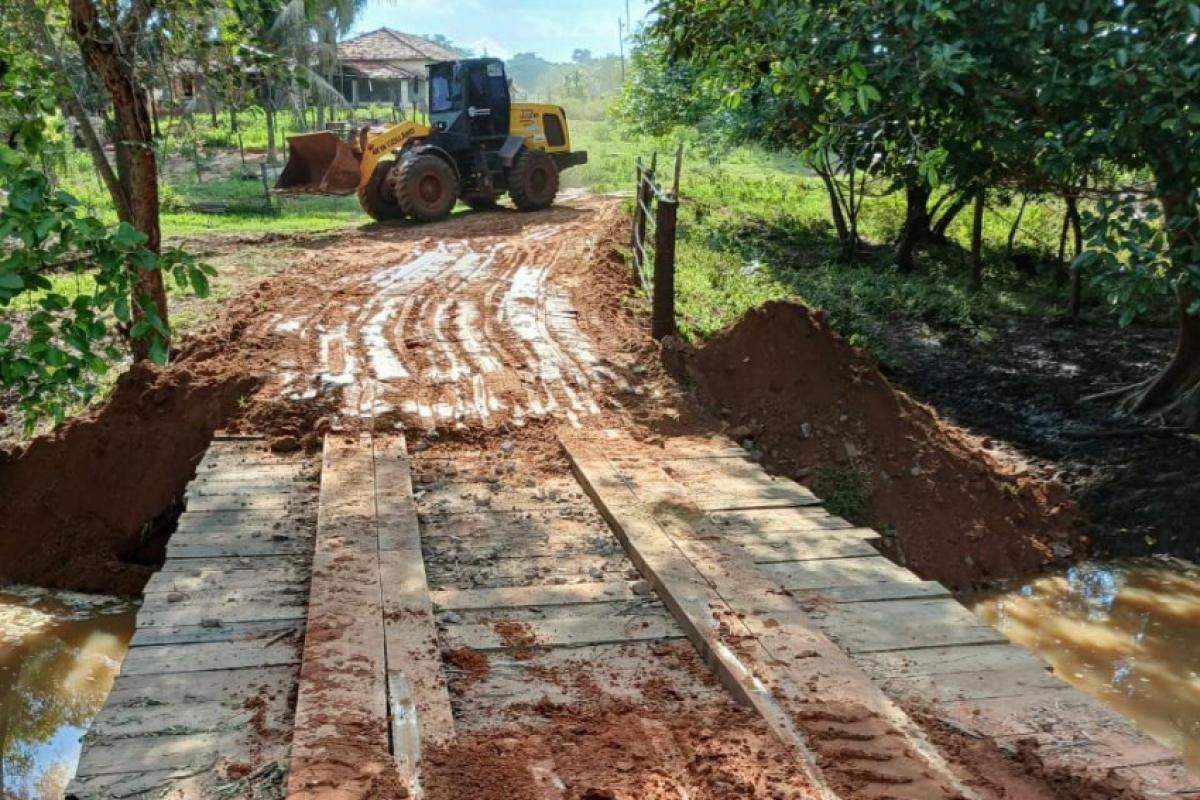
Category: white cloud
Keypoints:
(486, 45)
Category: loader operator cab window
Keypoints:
(445, 94)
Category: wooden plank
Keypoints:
(345, 621)
(168, 690)
(239, 543)
(819, 575)
(565, 632)
(188, 752)
(531, 596)
(779, 519)
(234, 605)
(904, 625)
(161, 718)
(255, 502)
(807, 548)
(282, 574)
(874, 592)
(420, 703)
(714, 590)
(206, 656)
(232, 520)
(943, 660)
(232, 632)
(230, 565)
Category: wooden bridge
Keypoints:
(306, 607)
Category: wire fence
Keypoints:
(653, 238)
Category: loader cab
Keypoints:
(469, 101)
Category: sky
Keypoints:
(551, 28)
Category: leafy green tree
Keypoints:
(1119, 83)
(87, 287)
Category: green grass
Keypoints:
(754, 227)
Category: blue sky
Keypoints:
(551, 28)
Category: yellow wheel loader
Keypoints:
(478, 146)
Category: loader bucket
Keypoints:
(319, 163)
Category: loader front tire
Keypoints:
(378, 197)
(426, 187)
(533, 180)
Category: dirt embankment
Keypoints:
(86, 507)
(820, 411)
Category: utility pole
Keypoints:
(621, 42)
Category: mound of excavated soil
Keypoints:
(80, 505)
(819, 409)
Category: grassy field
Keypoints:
(754, 227)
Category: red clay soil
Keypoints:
(80, 503)
(818, 407)
(616, 751)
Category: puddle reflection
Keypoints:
(1126, 633)
(59, 656)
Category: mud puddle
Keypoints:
(59, 655)
(1127, 633)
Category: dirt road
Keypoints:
(473, 327)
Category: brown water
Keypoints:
(59, 656)
(1125, 633)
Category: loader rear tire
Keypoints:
(533, 180)
(378, 197)
(426, 187)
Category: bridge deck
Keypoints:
(204, 697)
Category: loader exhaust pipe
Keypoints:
(319, 163)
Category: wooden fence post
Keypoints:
(663, 321)
(638, 222)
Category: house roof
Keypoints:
(386, 44)
(379, 70)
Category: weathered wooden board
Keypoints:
(284, 574)
(873, 592)
(715, 591)
(421, 712)
(205, 656)
(569, 632)
(345, 619)
(531, 596)
(779, 519)
(810, 575)
(903, 625)
(262, 631)
(222, 608)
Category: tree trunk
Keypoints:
(977, 241)
(1075, 301)
(916, 225)
(1173, 396)
(1016, 227)
(845, 240)
(137, 166)
(937, 231)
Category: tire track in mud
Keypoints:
(467, 331)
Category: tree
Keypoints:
(1120, 84)
(53, 357)
(581, 56)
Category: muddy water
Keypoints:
(1126, 633)
(59, 656)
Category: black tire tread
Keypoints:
(518, 180)
(410, 168)
(371, 197)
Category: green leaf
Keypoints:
(127, 237)
(11, 280)
(5, 331)
(158, 351)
